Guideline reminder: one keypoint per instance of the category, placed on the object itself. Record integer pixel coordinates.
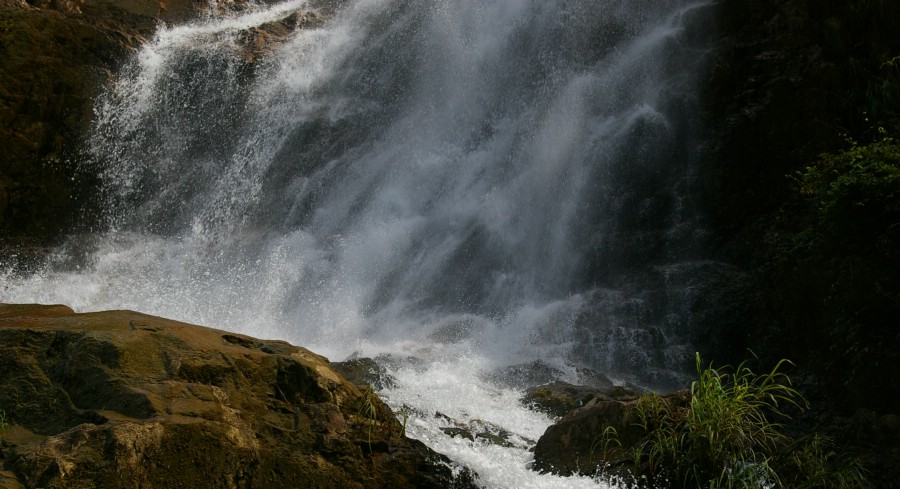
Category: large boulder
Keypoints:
(580, 441)
(122, 399)
(559, 398)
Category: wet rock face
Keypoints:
(121, 399)
(560, 398)
(57, 56)
(44, 101)
(575, 444)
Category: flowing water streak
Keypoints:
(425, 179)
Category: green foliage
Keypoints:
(367, 409)
(813, 463)
(405, 416)
(859, 38)
(606, 445)
(857, 191)
(727, 437)
(724, 438)
(845, 262)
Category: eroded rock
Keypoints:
(122, 399)
(526, 375)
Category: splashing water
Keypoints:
(462, 183)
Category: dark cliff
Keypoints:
(802, 188)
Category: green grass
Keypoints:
(729, 437)
(367, 409)
(813, 463)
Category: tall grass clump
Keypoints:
(729, 436)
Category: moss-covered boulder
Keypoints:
(122, 399)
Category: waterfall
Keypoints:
(453, 187)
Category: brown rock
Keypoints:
(54, 60)
(577, 442)
(56, 55)
(559, 398)
(122, 399)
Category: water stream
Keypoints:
(452, 187)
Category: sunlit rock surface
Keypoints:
(123, 399)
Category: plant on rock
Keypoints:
(368, 411)
(726, 438)
(856, 192)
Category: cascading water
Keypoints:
(452, 187)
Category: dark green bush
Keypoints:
(846, 256)
(857, 193)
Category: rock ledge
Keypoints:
(122, 399)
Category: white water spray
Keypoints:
(440, 180)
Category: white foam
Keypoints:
(407, 169)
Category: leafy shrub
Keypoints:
(845, 257)
(857, 191)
